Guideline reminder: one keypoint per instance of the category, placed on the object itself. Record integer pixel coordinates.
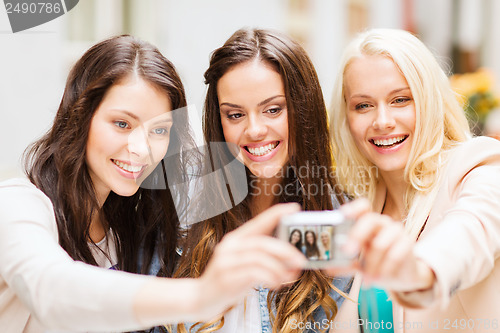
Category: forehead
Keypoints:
(371, 73)
(137, 98)
(250, 80)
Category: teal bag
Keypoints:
(375, 311)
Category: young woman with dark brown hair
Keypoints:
(265, 102)
(119, 126)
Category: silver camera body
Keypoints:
(322, 236)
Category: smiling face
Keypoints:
(380, 112)
(254, 116)
(325, 239)
(129, 134)
(295, 237)
(310, 238)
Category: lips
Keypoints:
(128, 167)
(389, 142)
(263, 149)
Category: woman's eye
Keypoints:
(401, 100)
(234, 115)
(273, 110)
(121, 124)
(362, 106)
(160, 131)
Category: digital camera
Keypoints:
(320, 235)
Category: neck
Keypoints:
(96, 230)
(263, 195)
(394, 198)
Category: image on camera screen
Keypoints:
(318, 242)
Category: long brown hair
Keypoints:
(56, 163)
(311, 249)
(309, 149)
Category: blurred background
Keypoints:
(465, 34)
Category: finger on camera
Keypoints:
(379, 247)
(367, 227)
(356, 208)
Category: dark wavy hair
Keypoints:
(309, 147)
(298, 245)
(56, 163)
(311, 249)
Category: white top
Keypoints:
(106, 246)
(244, 317)
(41, 284)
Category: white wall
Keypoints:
(491, 52)
(190, 30)
(328, 38)
(435, 25)
(386, 14)
(31, 85)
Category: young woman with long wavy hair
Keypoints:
(265, 102)
(121, 119)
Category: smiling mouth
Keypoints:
(263, 150)
(389, 143)
(128, 167)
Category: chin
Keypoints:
(269, 172)
(126, 192)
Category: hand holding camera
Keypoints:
(320, 235)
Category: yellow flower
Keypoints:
(477, 93)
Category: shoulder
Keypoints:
(21, 188)
(476, 150)
(16, 184)
(472, 154)
(343, 283)
(20, 199)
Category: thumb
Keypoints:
(356, 208)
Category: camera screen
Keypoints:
(318, 242)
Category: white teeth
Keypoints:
(127, 167)
(389, 142)
(263, 150)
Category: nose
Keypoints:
(384, 119)
(138, 143)
(256, 128)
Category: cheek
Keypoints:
(284, 127)
(159, 149)
(231, 132)
(94, 141)
(357, 126)
(412, 120)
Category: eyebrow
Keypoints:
(267, 100)
(390, 93)
(133, 116)
(128, 113)
(163, 121)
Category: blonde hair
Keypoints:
(440, 120)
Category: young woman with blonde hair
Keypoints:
(402, 140)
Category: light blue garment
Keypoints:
(375, 310)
